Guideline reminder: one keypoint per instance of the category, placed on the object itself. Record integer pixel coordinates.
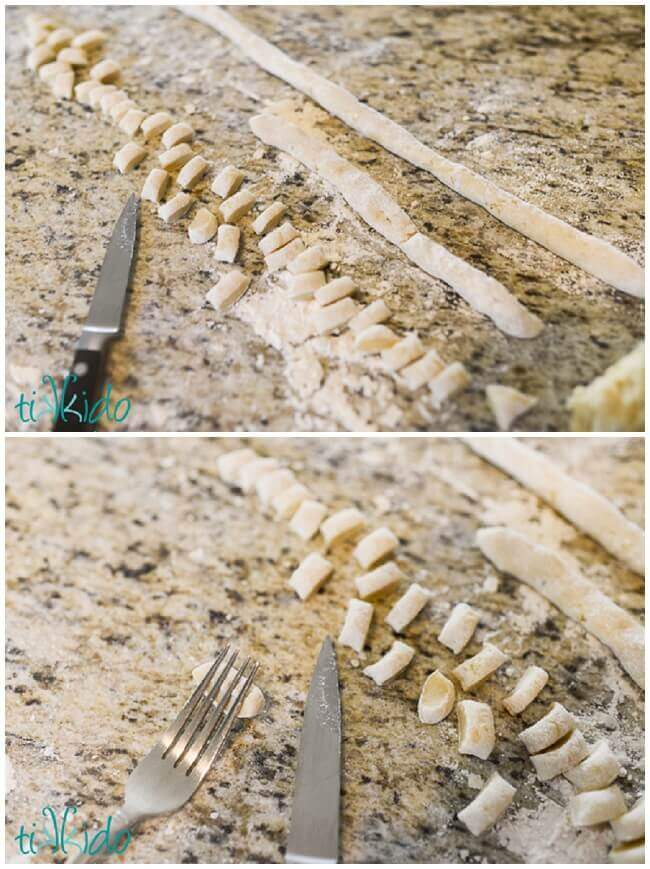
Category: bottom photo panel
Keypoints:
(325, 649)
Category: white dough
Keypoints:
(475, 729)
(507, 404)
(379, 582)
(488, 806)
(309, 260)
(176, 157)
(228, 238)
(155, 186)
(235, 207)
(281, 258)
(422, 371)
(228, 290)
(394, 662)
(229, 465)
(269, 218)
(176, 135)
(128, 157)
(453, 379)
(227, 182)
(548, 730)
(374, 313)
(407, 607)
(254, 700)
(192, 172)
(175, 208)
(155, 125)
(561, 756)
(375, 338)
(308, 518)
(341, 525)
(631, 825)
(475, 670)
(203, 226)
(375, 547)
(526, 690)
(405, 351)
(303, 286)
(278, 238)
(357, 624)
(596, 807)
(599, 769)
(459, 628)
(286, 503)
(334, 290)
(310, 575)
(437, 698)
(334, 316)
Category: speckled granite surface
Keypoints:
(547, 101)
(129, 561)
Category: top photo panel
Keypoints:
(324, 218)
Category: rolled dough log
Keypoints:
(573, 594)
(595, 256)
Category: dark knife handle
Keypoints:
(81, 390)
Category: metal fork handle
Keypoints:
(120, 820)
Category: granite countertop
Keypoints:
(546, 101)
(129, 561)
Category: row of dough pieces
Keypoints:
(591, 770)
(282, 247)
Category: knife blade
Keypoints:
(314, 831)
(103, 324)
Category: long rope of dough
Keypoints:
(573, 594)
(592, 254)
(377, 208)
(585, 508)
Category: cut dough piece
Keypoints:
(548, 730)
(271, 484)
(105, 72)
(631, 825)
(279, 259)
(437, 698)
(342, 525)
(488, 806)
(596, 771)
(228, 290)
(227, 247)
(192, 172)
(596, 807)
(357, 624)
(374, 339)
(394, 662)
(82, 91)
(334, 316)
(38, 56)
(251, 472)
(568, 752)
(526, 690)
(37, 35)
(615, 401)
(254, 700)
(47, 72)
(130, 122)
(375, 547)
(118, 111)
(573, 594)
(477, 669)
(155, 125)
(286, 503)
(308, 518)
(507, 404)
(425, 369)
(475, 729)
(73, 56)
(128, 157)
(310, 260)
(60, 37)
(452, 380)
(155, 186)
(310, 575)
(63, 85)
(89, 40)
(407, 607)
(235, 207)
(176, 157)
(227, 182)
(230, 464)
(176, 135)
(379, 582)
(278, 238)
(203, 226)
(459, 628)
(96, 95)
(269, 218)
(403, 352)
(580, 504)
(175, 208)
(337, 289)
(632, 852)
(303, 286)
(111, 99)
(374, 313)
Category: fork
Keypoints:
(167, 777)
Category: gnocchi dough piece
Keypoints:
(407, 607)
(475, 670)
(63, 85)
(308, 518)
(106, 71)
(111, 99)
(452, 380)
(286, 503)
(230, 464)
(334, 316)
(507, 404)
(60, 37)
(488, 806)
(235, 207)
(379, 582)
(89, 40)
(37, 35)
(155, 185)
(40, 55)
(342, 525)
(155, 125)
(118, 111)
(254, 700)
(47, 72)
(228, 290)
(394, 662)
(526, 690)
(615, 400)
(631, 852)
(227, 182)
(96, 95)
(130, 122)
(279, 259)
(310, 260)
(303, 286)
(631, 825)
(271, 484)
(227, 247)
(418, 373)
(405, 351)
(548, 730)
(375, 547)
(437, 698)
(374, 313)
(128, 157)
(597, 770)
(253, 471)
(278, 238)
(203, 226)
(374, 339)
(596, 807)
(310, 575)
(192, 172)
(73, 56)
(175, 208)
(176, 157)
(269, 218)
(357, 624)
(337, 289)
(83, 89)
(475, 729)
(176, 135)
(561, 756)
(459, 628)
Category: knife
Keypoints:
(314, 832)
(103, 325)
